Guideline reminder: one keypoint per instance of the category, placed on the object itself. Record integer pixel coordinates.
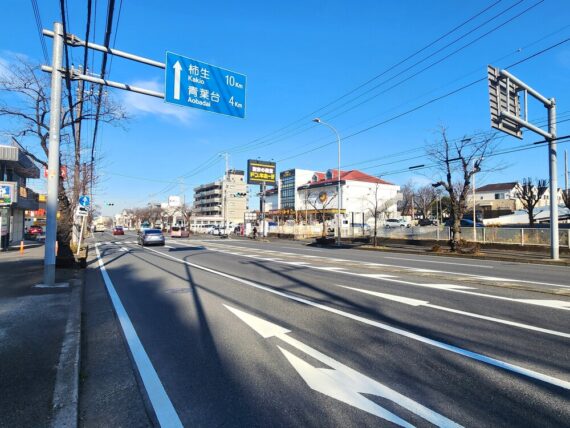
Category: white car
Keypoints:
(394, 223)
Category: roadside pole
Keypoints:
(53, 158)
(263, 189)
(553, 171)
(80, 235)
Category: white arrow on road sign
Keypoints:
(177, 68)
(339, 381)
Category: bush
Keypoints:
(436, 248)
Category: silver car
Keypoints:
(151, 237)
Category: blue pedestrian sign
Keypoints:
(84, 200)
(192, 83)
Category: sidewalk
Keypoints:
(39, 330)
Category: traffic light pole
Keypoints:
(553, 172)
(53, 157)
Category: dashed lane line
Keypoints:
(513, 368)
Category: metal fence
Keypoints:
(486, 235)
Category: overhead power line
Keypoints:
(364, 84)
(40, 27)
(427, 103)
(408, 78)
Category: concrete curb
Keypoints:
(65, 402)
(470, 256)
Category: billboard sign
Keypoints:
(259, 172)
(174, 201)
(192, 83)
(7, 196)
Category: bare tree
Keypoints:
(405, 203)
(25, 99)
(424, 198)
(529, 195)
(566, 198)
(456, 162)
(378, 208)
(320, 202)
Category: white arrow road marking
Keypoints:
(415, 302)
(341, 382)
(386, 327)
(177, 68)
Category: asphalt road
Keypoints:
(242, 333)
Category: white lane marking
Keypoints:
(559, 304)
(376, 275)
(480, 277)
(168, 246)
(332, 269)
(422, 339)
(555, 304)
(124, 249)
(163, 408)
(340, 381)
(416, 303)
(438, 262)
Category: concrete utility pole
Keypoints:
(53, 158)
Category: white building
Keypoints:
(361, 196)
(500, 198)
(219, 201)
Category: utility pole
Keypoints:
(78, 114)
(53, 158)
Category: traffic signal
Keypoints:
(240, 195)
(109, 204)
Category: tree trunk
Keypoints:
(454, 243)
(531, 217)
(375, 229)
(64, 228)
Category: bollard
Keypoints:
(21, 248)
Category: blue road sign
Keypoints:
(84, 200)
(192, 83)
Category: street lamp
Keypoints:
(339, 200)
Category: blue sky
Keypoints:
(298, 57)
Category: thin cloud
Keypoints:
(147, 105)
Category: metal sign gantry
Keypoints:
(504, 99)
(234, 105)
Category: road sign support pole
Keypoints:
(263, 187)
(83, 219)
(53, 158)
(553, 171)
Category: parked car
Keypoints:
(118, 230)
(99, 228)
(465, 222)
(35, 230)
(179, 232)
(150, 237)
(427, 222)
(393, 223)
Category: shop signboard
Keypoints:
(259, 172)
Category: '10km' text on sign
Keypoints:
(193, 83)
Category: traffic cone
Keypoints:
(21, 248)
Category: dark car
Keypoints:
(465, 222)
(118, 230)
(426, 222)
(151, 237)
(35, 230)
